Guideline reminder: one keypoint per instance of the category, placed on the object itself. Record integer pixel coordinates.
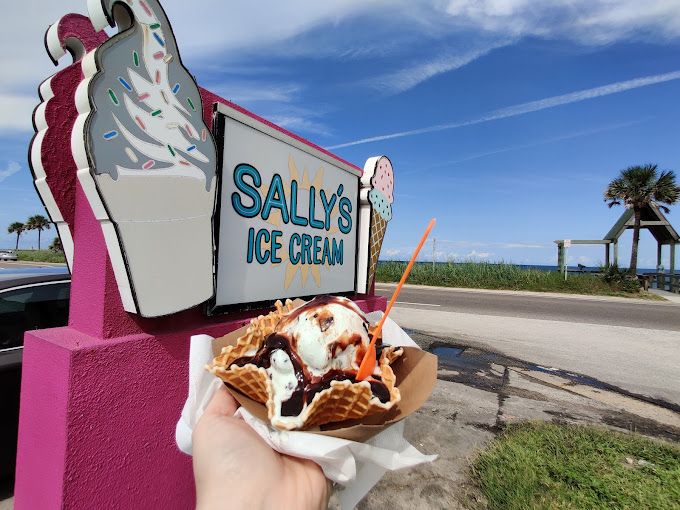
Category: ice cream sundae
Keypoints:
(302, 364)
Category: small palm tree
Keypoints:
(39, 223)
(637, 187)
(16, 228)
(56, 245)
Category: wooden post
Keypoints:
(560, 256)
(672, 262)
(616, 253)
(606, 255)
(658, 256)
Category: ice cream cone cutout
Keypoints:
(368, 363)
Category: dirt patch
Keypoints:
(563, 416)
(496, 428)
(634, 423)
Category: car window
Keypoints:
(35, 307)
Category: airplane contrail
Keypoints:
(531, 106)
(544, 141)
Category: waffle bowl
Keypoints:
(345, 409)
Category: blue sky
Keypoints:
(503, 119)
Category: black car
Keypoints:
(27, 302)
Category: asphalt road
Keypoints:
(582, 309)
(631, 344)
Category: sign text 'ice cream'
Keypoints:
(264, 244)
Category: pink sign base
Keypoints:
(98, 417)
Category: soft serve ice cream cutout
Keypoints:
(147, 160)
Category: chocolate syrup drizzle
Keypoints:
(308, 385)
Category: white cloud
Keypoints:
(16, 112)
(23, 31)
(398, 253)
(480, 244)
(585, 21)
(583, 260)
(11, 168)
(213, 31)
(529, 107)
(202, 28)
(483, 255)
(298, 123)
(243, 25)
(214, 26)
(244, 92)
(393, 252)
(522, 245)
(409, 77)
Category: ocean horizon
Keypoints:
(539, 267)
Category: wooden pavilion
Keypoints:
(652, 219)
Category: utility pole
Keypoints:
(434, 248)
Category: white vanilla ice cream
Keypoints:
(327, 336)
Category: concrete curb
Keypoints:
(671, 300)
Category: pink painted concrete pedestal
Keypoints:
(98, 419)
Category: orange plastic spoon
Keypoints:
(368, 363)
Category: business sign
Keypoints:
(228, 210)
(287, 215)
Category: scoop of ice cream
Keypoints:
(329, 333)
(282, 374)
(380, 204)
(383, 178)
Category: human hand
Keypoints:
(235, 468)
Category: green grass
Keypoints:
(486, 275)
(40, 256)
(546, 466)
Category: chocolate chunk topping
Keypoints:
(326, 323)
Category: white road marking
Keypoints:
(409, 303)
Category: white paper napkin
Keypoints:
(357, 467)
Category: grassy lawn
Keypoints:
(40, 256)
(485, 275)
(546, 466)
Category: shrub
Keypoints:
(620, 278)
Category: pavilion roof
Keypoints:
(652, 219)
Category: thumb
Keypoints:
(222, 404)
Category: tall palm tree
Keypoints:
(39, 223)
(16, 228)
(637, 187)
